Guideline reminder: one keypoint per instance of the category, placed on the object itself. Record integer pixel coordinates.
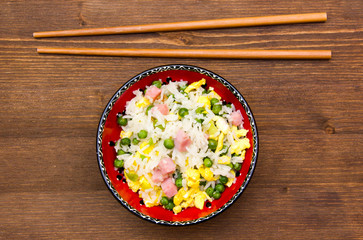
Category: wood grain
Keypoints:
(308, 182)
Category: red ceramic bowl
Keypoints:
(109, 132)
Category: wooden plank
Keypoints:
(308, 182)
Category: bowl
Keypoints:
(108, 133)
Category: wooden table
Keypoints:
(308, 182)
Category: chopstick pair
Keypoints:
(192, 25)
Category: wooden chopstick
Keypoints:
(191, 25)
(194, 53)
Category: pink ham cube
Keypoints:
(158, 176)
(153, 92)
(162, 108)
(182, 141)
(166, 166)
(236, 118)
(169, 188)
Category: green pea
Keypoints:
(216, 195)
(209, 191)
(118, 163)
(135, 141)
(216, 108)
(178, 182)
(183, 112)
(122, 121)
(148, 109)
(207, 162)
(220, 187)
(169, 143)
(120, 152)
(170, 206)
(164, 201)
(213, 101)
(142, 134)
(200, 110)
(223, 179)
(237, 166)
(212, 144)
(157, 83)
(125, 141)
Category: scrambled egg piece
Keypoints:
(199, 199)
(212, 130)
(213, 94)
(177, 209)
(239, 133)
(220, 143)
(205, 101)
(207, 174)
(224, 159)
(221, 124)
(143, 102)
(230, 180)
(195, 85)
(193, 177)
(124, 134)
(148, 149)
(144, 183)
(179, 197)
(151, 198)
(239, 145)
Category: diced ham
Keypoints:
(182, 141)
(163, 108)
(166, 166)
(153, 92)
(236, 118)
(169, 188)
(158, 176)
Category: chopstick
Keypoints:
(194, 53)
(190, 25)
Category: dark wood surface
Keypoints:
(308, 182)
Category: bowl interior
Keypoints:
(109, 132)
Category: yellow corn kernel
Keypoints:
(195, 85)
